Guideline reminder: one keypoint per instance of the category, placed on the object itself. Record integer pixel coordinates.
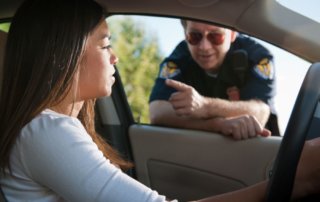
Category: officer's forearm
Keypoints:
(216, 107)
(162, 113)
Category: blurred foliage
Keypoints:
(139, 59)
(4, 26)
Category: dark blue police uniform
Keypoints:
(246, 73)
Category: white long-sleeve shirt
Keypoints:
(54, 159)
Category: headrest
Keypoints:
(3, 39)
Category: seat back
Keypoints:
(3, 39)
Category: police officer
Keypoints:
(216, 80)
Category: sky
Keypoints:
(309, 8)
(290, 70)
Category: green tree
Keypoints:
(139, 59)
(5, 26)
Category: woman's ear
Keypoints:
(233, 36)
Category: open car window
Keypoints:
(142, 42)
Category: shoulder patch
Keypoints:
(169, 70)
(264, 69)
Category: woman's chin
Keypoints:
(113, 80)
(106, 93)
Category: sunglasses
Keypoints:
(194, 38)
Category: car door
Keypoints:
(189, 165)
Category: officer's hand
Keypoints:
(242, 127)
(186, 101)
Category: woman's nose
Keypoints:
(114, 59)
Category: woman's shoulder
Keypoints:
(50, 125)
(51, 134)
(50, 115)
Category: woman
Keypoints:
(58, 60)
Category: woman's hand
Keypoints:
(307, 180)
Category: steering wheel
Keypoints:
(306, 112)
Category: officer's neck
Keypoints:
(212, 74)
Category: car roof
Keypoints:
(265, 19)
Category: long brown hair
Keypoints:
(45, 43)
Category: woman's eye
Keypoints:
(107, 47)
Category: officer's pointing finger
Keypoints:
(176, 85)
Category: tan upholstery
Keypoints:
(3, 39)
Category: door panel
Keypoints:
(188, 164)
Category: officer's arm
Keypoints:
(162, 113)
(188, 102)
(241, 127)
(224, 108)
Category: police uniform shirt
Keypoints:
(259, 77)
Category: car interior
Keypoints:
(3, 37)
(189, 164)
